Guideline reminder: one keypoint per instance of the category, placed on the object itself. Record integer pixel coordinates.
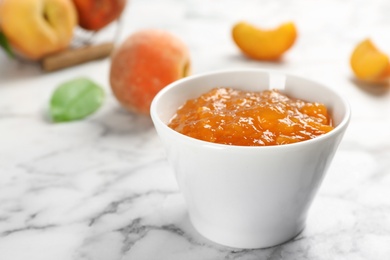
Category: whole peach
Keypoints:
(36, 28)
(96, 14)
(146, 62)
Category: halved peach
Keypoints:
(263, 44)
(369, 63)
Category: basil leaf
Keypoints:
(5, 45)
(75, 99)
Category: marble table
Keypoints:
(101, 188)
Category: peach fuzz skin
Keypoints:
(146, 62)
(36, 28)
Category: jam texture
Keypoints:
(234, 117)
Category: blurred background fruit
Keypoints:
(369, 63)
(96, 14)
(261, 44)
(36, 28)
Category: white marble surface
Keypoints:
(101, 188)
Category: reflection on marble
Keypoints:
(101, 188)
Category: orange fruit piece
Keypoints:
(264, 44)
(369, 63)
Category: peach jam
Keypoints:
(234, 117)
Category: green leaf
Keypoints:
(75, 99)
(5, 45)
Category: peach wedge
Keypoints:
(369, 63)
(263, 44)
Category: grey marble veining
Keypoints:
(101, 188)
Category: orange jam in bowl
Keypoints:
(234, 117)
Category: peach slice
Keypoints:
(369, 63)
(263, 44)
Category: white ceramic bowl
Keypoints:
(241, 196)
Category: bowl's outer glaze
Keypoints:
(248, 197)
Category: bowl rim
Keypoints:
(156, 119)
